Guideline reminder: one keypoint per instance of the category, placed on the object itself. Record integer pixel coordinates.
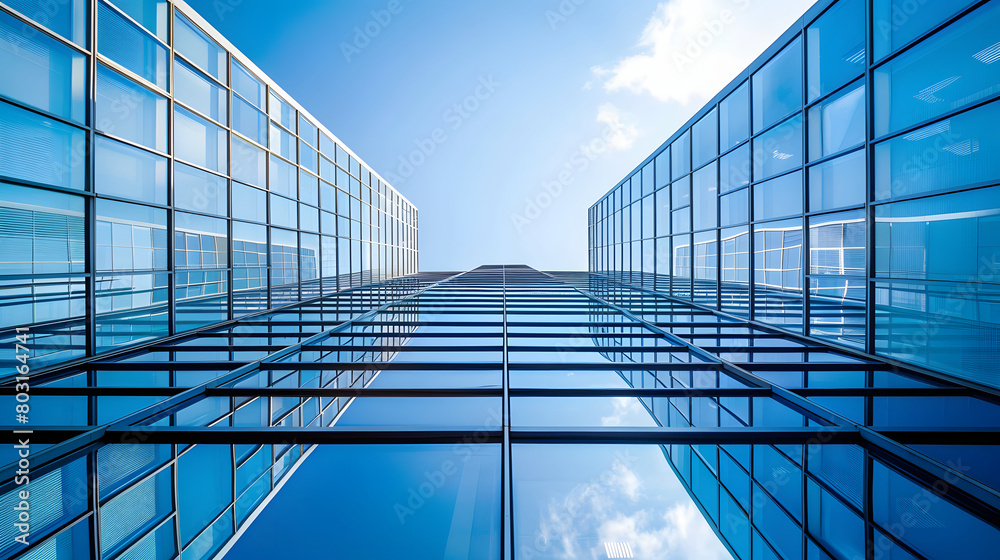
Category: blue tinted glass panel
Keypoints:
(836, 47)
(249, 163)
(151, 14)
(284, 212)
(777, 87)
(734, 117)
(778, 150)
(199, 49)
(950, 237)
(680, 155)
(959, 151)
(204, 487)
(282, 112)
(200, 142)
(129, 172)
(128, 516)
(41, 72)
(705, 196)
(681, 193)
(283, 144)
(838, 183)
(308, 158)
(41, 232)
(705, 138)
(252, 203)
(897, 22)
(127, 110)
(247, 85)
(69, 20)
(130, 236)
(200, 93)
(125, 43)
(308, 188)
(249, 122)
(200, 191)
(734, 208)
(778, 197)
(950, 70)
(734, 169)
(131, 308)
(308, 131)
(34, 148)
(837, 123)
(283, 177)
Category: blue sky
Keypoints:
(515, 116)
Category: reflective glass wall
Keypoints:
(153, 181)
(843, 187)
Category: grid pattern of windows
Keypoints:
(899, 256)
(136, 234)
(559, 401)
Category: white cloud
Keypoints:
(621, 134)
(692, 48)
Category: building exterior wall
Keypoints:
(844, 186)
(153, 181)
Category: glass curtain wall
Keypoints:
(843, 187)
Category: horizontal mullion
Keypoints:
(378, 366)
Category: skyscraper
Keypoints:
(218, 343)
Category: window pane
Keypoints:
(198, 48)
(249, 163)
(204, 487)
(283, 177)
(778, 150)
(777, 87)
(70, 20)
(681, 192)
(836, 46)
(252, 203)
(195, 90)
(281, 112)
(704, 138)
(284, 212)
(41, 72)
(123, 42)
(734, 117)
(151, 14)
(663, 169)
(130, 237)
(199, 141)
(897, 22)
(249, 122)
(308, 158)
(284, 256)
(200, 191)
(950, 237)
(837, 289)
(778, 197)
(778, 273)
(34, 148)
(952, 69)
(129, 111)
(735, 270)
(839, 182)
(734, 169)
(129, 172)
(734, 208)
(247, 85)
(308, 131)
(41, 232)
(705, 197)
(283, 143)
(308, 188)
(837, 123)
(680, 155)
(200, 252)
(963, 150)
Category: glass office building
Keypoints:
(154, 181)
(843, 187)
(216, 343)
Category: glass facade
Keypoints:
(850, 195)
(153, 181)
(502, 412)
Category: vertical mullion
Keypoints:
(90, 234)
